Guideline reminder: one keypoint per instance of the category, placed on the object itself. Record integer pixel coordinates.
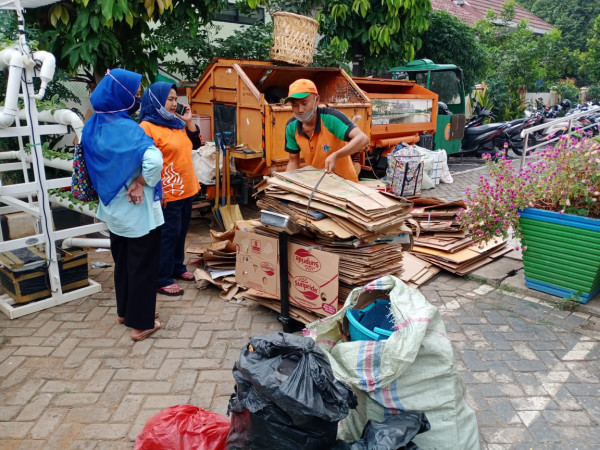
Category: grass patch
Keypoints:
(567, 303)
(4, 340)
(63, 392)
(507, 289)
(475, 278)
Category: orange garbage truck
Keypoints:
(402, 111)
(242, 100)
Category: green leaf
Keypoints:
(64, 16)
(107, 9)
(94, 22)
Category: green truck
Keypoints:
(446, 80)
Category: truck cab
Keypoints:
(446, 80)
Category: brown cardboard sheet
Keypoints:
(273, 303)
(355, 195)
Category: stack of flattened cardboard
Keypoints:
(357, 225)
(466, 260)
(338, 209)
(357, 266)
(441, 241)
(417, 271)
(437, 216)
(218, 267)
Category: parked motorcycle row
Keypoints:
(481, 137)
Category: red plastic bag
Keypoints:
(184, 427)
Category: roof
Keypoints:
(423, 64)
(469, 11)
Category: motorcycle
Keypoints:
(479, 137)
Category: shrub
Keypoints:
(564, 178)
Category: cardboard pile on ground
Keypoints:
(272, 302)
(358, 230)
(217, 267)
(357, 266)
(437, 216)
(441, 241)
(416, 271)
(337, 210)
(466, 260)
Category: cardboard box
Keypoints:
(257, 262)
(313, 275)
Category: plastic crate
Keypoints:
(372, 323)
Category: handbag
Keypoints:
(404, 171)
(81, 184)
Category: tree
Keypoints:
(592, 56)
(376, 35)
(88, 37)
(253, 42)
(516, 60)
(450, 41)
(575, 18)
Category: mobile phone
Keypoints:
(180, 109)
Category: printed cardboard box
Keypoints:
(313, 275)
(257, 262)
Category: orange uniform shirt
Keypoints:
(331, 134)
(178, 178)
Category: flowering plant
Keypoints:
(564, 178)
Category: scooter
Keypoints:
(516, 136)
(479, 138)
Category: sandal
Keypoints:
(171, 290)
(144, 334)
(186, 276)
(121, 320)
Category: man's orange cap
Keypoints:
(300, 89)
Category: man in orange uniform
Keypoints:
(324, 137)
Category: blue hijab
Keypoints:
(113, 143)
(153, 106)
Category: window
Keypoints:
(447, 86)
(233, 15)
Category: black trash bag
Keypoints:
(286, 396)
(394, 433)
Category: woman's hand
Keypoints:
(135, 192)
(187, 115)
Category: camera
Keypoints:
(180, 109)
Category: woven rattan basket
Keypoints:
(293, 38)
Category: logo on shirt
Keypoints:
(172, 182)
(326, 148)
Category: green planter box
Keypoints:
(563, 253)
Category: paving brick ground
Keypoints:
(70, 377)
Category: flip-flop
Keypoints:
(121, 320)
(186, 276)
(163, 290)
(144, 334)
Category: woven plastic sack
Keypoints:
(184, 427)
(405, 171)
(413, 370)
(81, 184)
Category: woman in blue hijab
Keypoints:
(175, 135)
(124, 167)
